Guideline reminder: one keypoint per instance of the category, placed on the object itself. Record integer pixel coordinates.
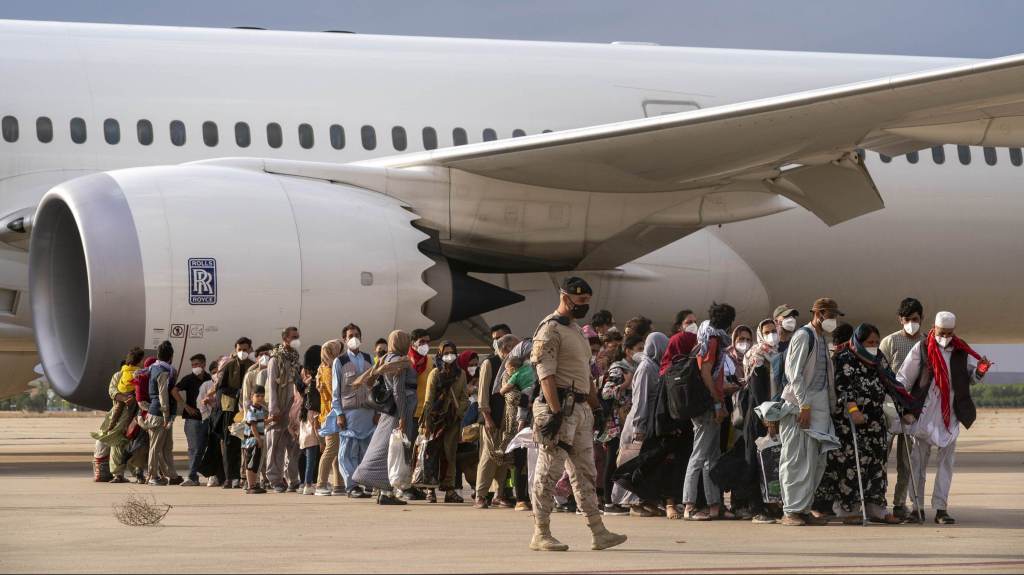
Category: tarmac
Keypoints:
(55, 519)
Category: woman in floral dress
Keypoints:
(862, 375)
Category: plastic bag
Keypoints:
(399, 470)
(428, 459)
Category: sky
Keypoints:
(961, 28)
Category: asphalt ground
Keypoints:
(55, 519)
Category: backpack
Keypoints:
(685, 394)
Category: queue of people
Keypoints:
(712, 421)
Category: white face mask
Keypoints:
(911, 327)
(264, 360)
(772, 339)
(871, 350)
(692, 328)
(242, 355)
(943, 341)
(423, 348)
(638, 357)
(353, 343)
(829, 325)
(789, 324)
(449, 358)
(295, 344)
(471, 370)
(197, 371)
(494, 344)
(742, 347)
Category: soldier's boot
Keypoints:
(601, 537)
(544, 541)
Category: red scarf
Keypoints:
(940, 371)
(419, 362)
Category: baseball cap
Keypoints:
(576, 286)
(785, 310)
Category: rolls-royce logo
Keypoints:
(202, 281)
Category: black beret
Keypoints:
(576, 286)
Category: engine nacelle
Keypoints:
(201, 255)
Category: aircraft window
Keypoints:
(369, 136)
(964, 153)
(242, 135)
(490, 135)
(306, 136)
(1016, 158)
(429, 138)
(78, 133)
(912, 157)
(518, 133)
(459, 137)
(44, 129)
(546, 131)
(210, 135)
(885, 158)
(144, 129)
(111, 131)
(10, 128)
(990, 155)
(337, 137)
(399, 139)
(939, 154)
(274, 135)
(178, 133)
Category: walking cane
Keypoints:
(913, 476)
(856, 455)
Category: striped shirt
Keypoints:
(896, 347)
(254, 415)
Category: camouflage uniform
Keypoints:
(561, 350)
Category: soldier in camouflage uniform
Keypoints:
(563, 419)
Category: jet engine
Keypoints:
(201, 255)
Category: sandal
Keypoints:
(671, 512)
(696, 516)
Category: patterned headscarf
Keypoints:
(760, 353)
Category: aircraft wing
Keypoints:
(798, 145)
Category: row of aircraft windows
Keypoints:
(243, 136)
(963, 154)
(367, 135)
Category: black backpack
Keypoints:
(684, 391)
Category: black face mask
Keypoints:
(579, 311)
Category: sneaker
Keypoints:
(189, 483)
(212, 482)
(255, 491)
(453, 497)
(155, 483)
(615, 510)
(236, 484)
(762, 519)
(415, 494)
(280, 489)
(943, 518)
(308, 490)
(118, 479)
(339, 491)
(140, 478)
(915, 517)
(293, 488)
(481, 503)
(562, 508)
(900, 511)
(322, 492)
(524, 506)
(176, 480)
